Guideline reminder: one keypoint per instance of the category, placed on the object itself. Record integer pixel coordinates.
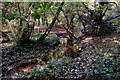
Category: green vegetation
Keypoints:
(60, 40)
(64, 67)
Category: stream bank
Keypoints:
(16, 61)
(91, 54)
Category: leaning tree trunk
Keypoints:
(51, 25)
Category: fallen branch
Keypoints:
(82, 37)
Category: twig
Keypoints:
(62, 51)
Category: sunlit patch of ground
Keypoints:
(28, 68)
(115, 41)
(88, 39)
(6, 44)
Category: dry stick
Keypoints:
(72, 19)
(20, 19)
(111, 14)
(62, 51)
(8, 6)
(20, 14)
(19, 8)
(90, 12)
(51, 25)
(27, 24)
(30, 8)
(68, 23)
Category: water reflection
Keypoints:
(68, 48)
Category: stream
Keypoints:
(64, 48)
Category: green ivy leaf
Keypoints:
(3, 20)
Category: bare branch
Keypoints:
(112, 18)
(70, 33)
(80, 16)
(89, 10)
(30, 8)
(66, 18)
(105, 11)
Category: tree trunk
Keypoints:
(71, 23)
(51, 25)
(99, 19)
(38, 22)
(43, 19)
(46, 20)
(28, 29)
(26, 33)
(20, 19)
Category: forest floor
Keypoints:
(88, 52)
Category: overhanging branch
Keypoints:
(112, 18)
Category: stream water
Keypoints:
(64, 48)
